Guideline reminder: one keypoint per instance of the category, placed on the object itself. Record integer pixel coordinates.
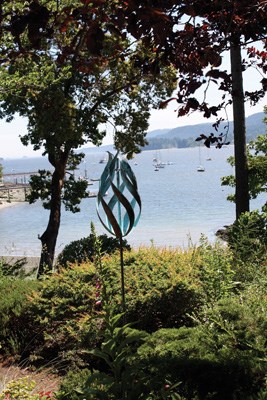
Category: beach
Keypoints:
(4, 204)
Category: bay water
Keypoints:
(178, 202)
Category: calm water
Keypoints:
(178, 202)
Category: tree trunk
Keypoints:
(49, 237)
(240, 152)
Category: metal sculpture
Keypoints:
(120, 208)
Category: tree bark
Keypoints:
(240, 148)
(49, 237)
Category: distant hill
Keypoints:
(184, 136)
(95, 149)
(158, 132)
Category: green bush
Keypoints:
(216, 271)
(123, 377)
(159, 292)
(72, 384)
(208, 364)
(161, 288)
(82, 250)
(65, 309)
(223, 356)
(248, 237)
(16, 322)
(205, 334)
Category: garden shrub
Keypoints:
(205, 334)
(161, 289)
(224, 355)
(123, 376)
(82, 250)
(16, 322)
(208, 364)
(64, 307)
(160, 292)
(216, 270)
(248, 236)
(72, 384)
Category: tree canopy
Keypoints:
(257, 163)
(70, 72)
(71, 67)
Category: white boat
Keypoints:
(200, 167)
(94, 193)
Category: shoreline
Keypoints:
(6, 204)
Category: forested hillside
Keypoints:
(184, 136)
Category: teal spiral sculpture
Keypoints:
(123, 209)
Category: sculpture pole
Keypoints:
(120, 216)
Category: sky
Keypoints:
(11, 146)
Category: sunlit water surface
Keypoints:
(178, 202)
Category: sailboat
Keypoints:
(208, 158)
(200, 168)
(103, 160)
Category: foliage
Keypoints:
(13, 268)
(223, 356)
(122, 376)
(71, 385)
(205, 363)
(16, 325)
(159, 292)
(159, 285)
(23, 389)
(205, 335)
(74, 77)
(64, 308)
(1, 172)
(82, 250)
(216, 271)
(163, 287)
(121, 380)
(247, 237)
(257, 165)
(73, 191)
